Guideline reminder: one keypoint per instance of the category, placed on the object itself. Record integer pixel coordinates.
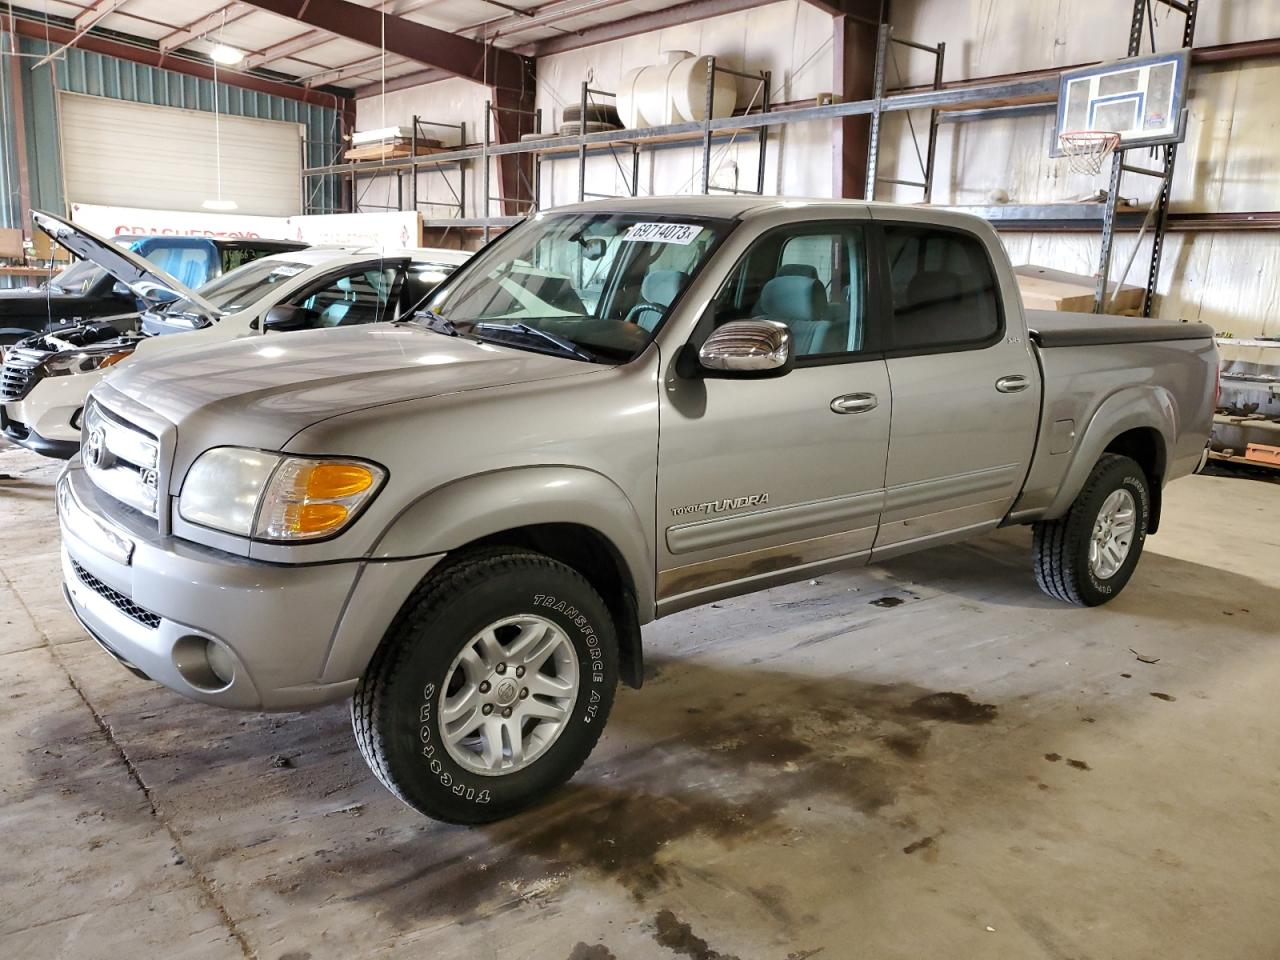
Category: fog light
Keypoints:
(220, 662)
(204, 663)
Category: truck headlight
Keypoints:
(84, 361)
(271, 496)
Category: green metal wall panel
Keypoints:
(103, 76)
(9, 186)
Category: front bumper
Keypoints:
(293, 636)
(20, 433)
(47, 419)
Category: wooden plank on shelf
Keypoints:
(1047, 289)
(390, 151)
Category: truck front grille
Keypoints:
(117, 599)
(20, 373)
(121, 459)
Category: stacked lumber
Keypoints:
(1047, 289)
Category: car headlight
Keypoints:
(272, 496)
(84, 361)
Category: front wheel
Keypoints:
(491, 687)
(1087, 556)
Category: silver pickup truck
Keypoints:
(615, 412)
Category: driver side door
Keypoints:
(762, 481)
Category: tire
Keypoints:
(1062, 547)
(399, 708)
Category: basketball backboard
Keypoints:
(1140, 98)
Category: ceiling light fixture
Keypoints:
(225, 55)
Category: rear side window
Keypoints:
(943, 287)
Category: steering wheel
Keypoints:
(640, 308)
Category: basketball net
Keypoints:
(1086, 150)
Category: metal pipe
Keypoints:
(763, 157)
(706, 130)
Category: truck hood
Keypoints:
(260, 390)
(147, 281)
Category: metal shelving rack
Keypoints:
(1158, 215)
(947, 103)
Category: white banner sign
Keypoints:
(134, 221)
(385, 231)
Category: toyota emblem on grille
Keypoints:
(96, 449)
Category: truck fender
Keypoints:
(1136, 407)
(467, 509)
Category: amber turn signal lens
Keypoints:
(333, 481)
(114, 359)
(319, 517)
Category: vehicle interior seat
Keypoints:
(801, 303)
(657, 291)
(927, 311)
(336, 313)
(798, 270)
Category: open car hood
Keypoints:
(147, 281)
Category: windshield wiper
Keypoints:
(436, 323)
(565, 345)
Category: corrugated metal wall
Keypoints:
(99, 75)
(8, 147)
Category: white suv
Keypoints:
(45, 379)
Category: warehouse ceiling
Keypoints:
(290, 46)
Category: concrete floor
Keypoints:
(924, 759)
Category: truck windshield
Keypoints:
(600, 283)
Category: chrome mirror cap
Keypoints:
(748, 348)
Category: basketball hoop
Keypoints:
(1086, 150)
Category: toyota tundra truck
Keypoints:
(616, 411)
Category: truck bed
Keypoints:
(1051, 328)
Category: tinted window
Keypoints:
(189, 265)
(944, 290)
(813, 280)
(358, 297)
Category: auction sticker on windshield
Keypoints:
(681, 233)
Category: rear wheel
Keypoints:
(1087, 556)
(490, 689)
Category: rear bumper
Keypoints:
(289, 637)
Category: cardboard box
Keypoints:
(1047, 289)
(10, 244)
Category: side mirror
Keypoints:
(748, 349)
(118, 289)
(285, 317)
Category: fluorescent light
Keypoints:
(220, 205)
(229, 56)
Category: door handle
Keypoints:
(855, 403)
(1014, 383)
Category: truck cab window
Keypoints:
(943, 288)
(811, 280)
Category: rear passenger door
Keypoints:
(966, 391)
(760, 479)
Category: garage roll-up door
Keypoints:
(125, 154)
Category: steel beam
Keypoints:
(459, 56)
(641, 23)
(853, 54)
(228, 13)
(95, 12)
(151, 57)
